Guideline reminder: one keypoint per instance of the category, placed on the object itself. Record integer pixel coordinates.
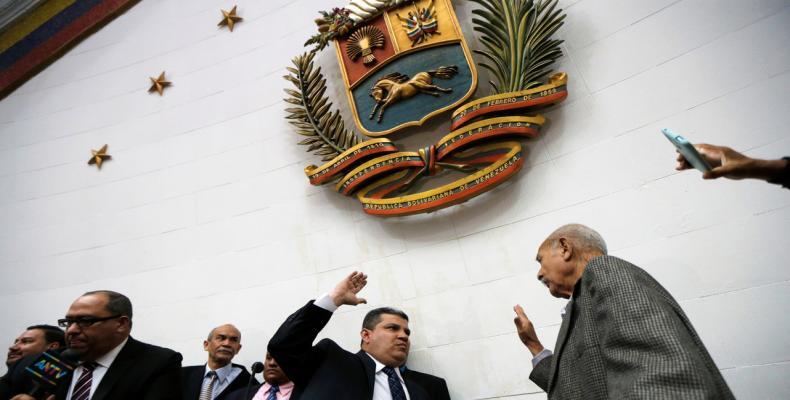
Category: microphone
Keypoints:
(48, 370)
(257, 367)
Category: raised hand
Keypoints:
(526, 331)
(345, 292)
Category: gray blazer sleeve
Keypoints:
(645, 338)
(540, 374)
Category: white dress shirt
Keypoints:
(381, 387)
(102, 365)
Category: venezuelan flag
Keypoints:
(38, 38)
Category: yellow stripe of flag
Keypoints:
(31, 22)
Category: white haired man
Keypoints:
(622, 334)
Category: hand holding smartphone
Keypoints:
(687, 150)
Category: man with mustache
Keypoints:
(623, 336)
(218, 377)
(328, 372)
(34, 340)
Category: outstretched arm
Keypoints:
(731, 164)
(292, 344)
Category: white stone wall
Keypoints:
(204, 215)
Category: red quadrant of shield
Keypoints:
(355, 70)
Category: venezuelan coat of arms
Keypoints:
(404, 62)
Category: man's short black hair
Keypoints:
(373, 317)
(52, 334)
(117, 304)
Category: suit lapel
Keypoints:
(120, 366)
(415, 390)
(232, 383)
(63, 390)
(195, 381)
(562, 337)
(370, 370)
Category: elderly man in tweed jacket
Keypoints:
(623, 336)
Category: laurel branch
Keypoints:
(326, 132)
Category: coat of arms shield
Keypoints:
(405, 65)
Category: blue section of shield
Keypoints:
(415, 108)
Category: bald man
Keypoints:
(622, 336)
(219, 376)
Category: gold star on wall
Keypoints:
(229, 18)
(99, 156)
(158, 84)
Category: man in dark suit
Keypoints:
(326, 371)
(622, 334)
(218, 377)
(112, 365)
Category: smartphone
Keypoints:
(687, 150)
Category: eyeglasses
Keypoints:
(84, 322)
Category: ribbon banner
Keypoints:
(480, 144)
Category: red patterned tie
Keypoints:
(82, 390)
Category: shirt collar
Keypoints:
(107, 359)
(222, 373)
(285, 388)
(564, 309)
(380, 366)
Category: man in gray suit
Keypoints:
(622, 334)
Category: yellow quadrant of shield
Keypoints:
(447, 25)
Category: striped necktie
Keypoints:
(82, 390)
(396, 389)
(206, 393)
(273, 392)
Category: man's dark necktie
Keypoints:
(273, 392)
(82, 390)
(396, 389)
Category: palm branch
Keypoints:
(517, 37)
(326, 133)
